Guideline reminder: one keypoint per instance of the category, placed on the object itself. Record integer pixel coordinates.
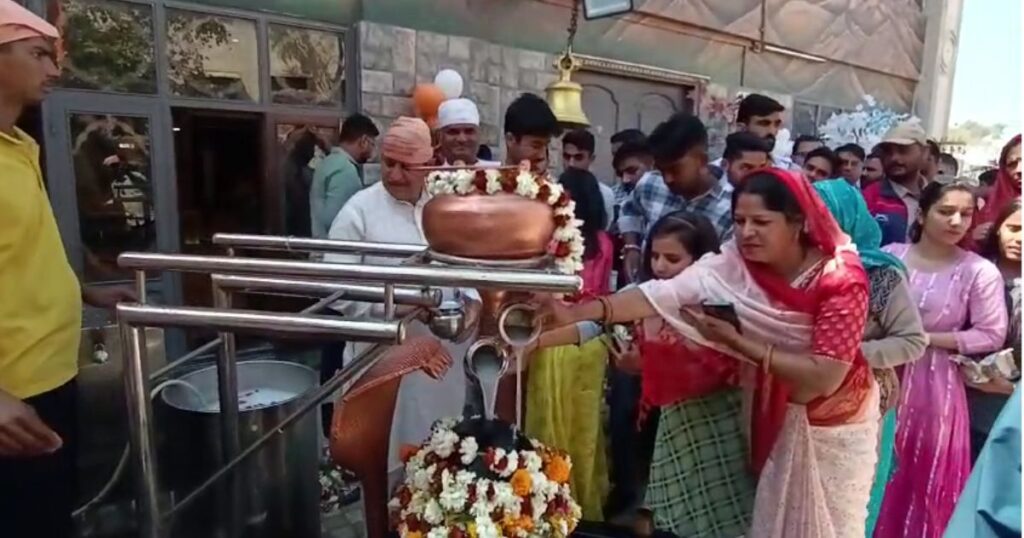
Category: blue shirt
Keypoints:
(335, 181)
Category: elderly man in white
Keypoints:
(458, 129)
(391, 211)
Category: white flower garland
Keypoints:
(567, 244)
(454, 487)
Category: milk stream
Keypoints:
(487, 367)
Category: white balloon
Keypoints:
(450, 82)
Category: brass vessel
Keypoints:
(500, 226)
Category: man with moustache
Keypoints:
(391, 211)
(458, 130)
(851, 163)
(744, 152)
(894, 200)
(337, 177)
(760, 116)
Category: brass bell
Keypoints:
(565, 97)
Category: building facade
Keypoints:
(177, 119)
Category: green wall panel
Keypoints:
(533, 25)
(329, 11)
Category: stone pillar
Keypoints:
(934, 95)
(394, 60)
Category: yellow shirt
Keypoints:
(40, 300)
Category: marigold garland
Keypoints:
(453, 487)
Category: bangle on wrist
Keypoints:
(606, 311)
(630, 247)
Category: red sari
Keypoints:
(833, 294)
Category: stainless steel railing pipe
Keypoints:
(421, 275)
(306, 244)
(293, 325)
(407, 295)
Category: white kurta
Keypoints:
(373, 215)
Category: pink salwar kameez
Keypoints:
(933, 449)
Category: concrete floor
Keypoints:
(345, 523)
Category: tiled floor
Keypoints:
(345, 523)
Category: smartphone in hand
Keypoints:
(723, 311)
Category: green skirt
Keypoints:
(701, 485)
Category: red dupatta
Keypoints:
(845, 272)
(1007, 187)
(670, 373)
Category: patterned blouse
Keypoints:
(837, 334)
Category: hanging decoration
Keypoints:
(864, 126)
(565, 97)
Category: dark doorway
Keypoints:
(220, 183)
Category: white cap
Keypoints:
(460, 111)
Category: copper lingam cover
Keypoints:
(499, 226)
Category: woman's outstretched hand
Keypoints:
(552, 312)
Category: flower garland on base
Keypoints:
(567, 241)
(476, 479)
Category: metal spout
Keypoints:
(518, 325)
(448, 320)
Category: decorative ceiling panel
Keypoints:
(829, 83)
(738, 17)
(884, 35)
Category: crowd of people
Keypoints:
(765, 345)
(824, 396)
(830, 400)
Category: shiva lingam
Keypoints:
(503, 217)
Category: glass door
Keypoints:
(298, 144)
(110, 176)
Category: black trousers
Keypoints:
(631, 447)
(37, 494)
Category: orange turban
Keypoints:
(407, 141)
(17, 23)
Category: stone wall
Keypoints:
(395, 59)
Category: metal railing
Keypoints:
(412, 285)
